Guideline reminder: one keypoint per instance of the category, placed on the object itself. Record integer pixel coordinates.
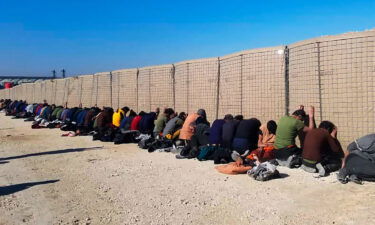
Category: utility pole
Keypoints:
(53, 74)
(63, 73)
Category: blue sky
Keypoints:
(85, 37)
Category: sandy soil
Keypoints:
(86, 182)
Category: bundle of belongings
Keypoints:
(264, 171)
(359, 164)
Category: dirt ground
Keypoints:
(49, 179)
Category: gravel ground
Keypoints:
(87, 182)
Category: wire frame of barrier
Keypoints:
(126, 86)
(304, 77)
(60, 95)
(263, 80)
(73, 92)
(196, 84)
(230, 94)
(38, 92)
(347, 70)
(181, 85)
(143, 90)
(43, 91)
(86, 83)
(115, 90)
(50, 91)
(161, 87)
(21, 93)
(29, 92)
(104, 93)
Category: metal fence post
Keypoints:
(188, 87)
(241, 85)
(319, 82)
(110, 87)
(218, 88)
(286, 74)
(137, 90)
(173, 86)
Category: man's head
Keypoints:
(132, 113)
(168, 112)
(238, 117)
(202, 113)
(271, 126)
(327, 125)
(299, 114)
(228, 117)
(125, 109)
(182, 115)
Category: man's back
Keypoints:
(319, 143)
(287, 130)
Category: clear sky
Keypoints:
(88, 36)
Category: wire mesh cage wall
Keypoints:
(103, 98)
(181, 84)
(38, 92)
(124, 88)
(115, 90)
(8, 93)
(29, 92)
(230, 94)
(304, 76)
(3, 94)
(60, 95)
(43, 90)
(73, 94)
(200, 78)
(203, 80)
(86, 82)
(347, 70)
(263, 83)
(20, 95)
(143, 89)
(23, 92)
(50, 91)
(13, 93)
(161, 87)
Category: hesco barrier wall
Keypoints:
(336, 74)
(196, 86)
(252, 83)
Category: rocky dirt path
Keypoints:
(49, 179)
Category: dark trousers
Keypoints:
(284, 153)
(199, 140)
(330, 164)
(192, 148)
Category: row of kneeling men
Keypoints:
(244, 145)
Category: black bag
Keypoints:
(122, 138)
(222, 155)
(145, 143)
(159, 144)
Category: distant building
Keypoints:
(11, 81)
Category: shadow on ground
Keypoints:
(283, 175)
(69, 150)
(3, 162)
(7, 190)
